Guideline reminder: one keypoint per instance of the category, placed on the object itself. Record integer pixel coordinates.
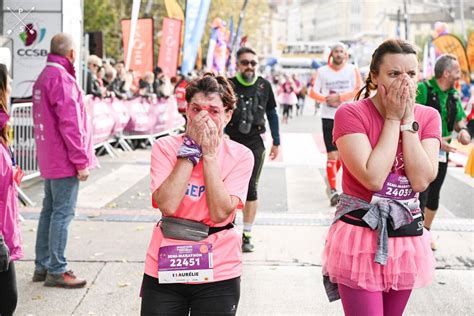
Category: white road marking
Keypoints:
(111, 186)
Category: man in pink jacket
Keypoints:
(65, 155)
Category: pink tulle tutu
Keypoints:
(349, 253)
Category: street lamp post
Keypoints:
(463, 28)
(405, 16)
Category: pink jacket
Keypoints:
(9, 219)
(62, 132)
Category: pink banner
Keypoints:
(102, 119)
(142, 52)
(169, 46)
(141, 116)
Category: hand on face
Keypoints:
(409, 115)
(195, 128)
(399, 99)
(210, 140)
(204, 131)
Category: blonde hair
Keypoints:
(95, 60)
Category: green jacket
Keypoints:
(422, 98)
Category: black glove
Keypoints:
(4, 255)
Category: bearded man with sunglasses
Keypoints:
(255, 101)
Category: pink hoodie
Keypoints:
(62, 132)
(9, 220)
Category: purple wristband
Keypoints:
(190, 150)
(189, 142)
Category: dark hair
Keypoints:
(157, 70)
(391, 46)
(3, 101)
(210, 83)
(444, 62)
(245, 50)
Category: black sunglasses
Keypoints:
(245, 62)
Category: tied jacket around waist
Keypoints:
(62, 130)
(376, 217)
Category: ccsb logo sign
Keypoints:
(31, 36)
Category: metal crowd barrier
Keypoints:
(23, 145)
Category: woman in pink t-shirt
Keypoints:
(376, 251)
(198, 180)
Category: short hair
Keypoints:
(210, 83)
(245, 50)
(95, 60)
(444, 62)
(339, 44)
(157, 70)
(148, 74)
(61, 44)
(110, 71)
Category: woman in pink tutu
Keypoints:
(287, 98)
(376, 250)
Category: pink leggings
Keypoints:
(358, 302)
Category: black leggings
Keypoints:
(287, 109)
(430, 197)
(216, 298)
(8, 291)
(259, 158)
(328, 125)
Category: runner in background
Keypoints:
(440, 93)
(297, 88)
(255, 101)
(335, 83)
(194, 260)
(288, 99)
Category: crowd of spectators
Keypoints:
(106, 79)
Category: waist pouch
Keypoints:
(415, 228)
(186, 229)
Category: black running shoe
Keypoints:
(246, 243)
(334, 197)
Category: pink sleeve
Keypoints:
(69, 113)
(348, 120)
(431, 127)
(162, 163)
(237, 182)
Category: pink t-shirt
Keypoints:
(236, 164)
(362, 117)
